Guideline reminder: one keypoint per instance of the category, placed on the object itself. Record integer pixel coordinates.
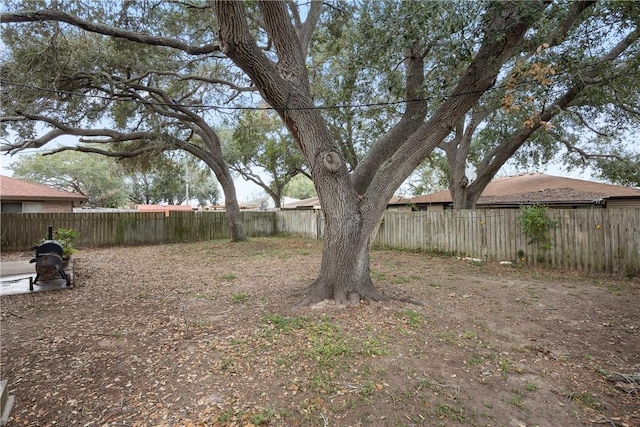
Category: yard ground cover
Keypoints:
(207, 334)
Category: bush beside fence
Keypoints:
(590, 240)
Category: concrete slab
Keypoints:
(15, 285)
(13, 268)
(14, 278)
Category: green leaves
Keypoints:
(623, 171)
(537, 224)
(260, 141)
(97, 177)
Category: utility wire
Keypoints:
(240, 108)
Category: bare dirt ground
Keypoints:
(207, 334)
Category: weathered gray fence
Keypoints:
(21, 231)
(302, 223)
(590, 240)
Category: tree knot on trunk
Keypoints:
(332, 161)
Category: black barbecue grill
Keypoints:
(49, 262)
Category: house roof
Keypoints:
(310, 203)
(535, 188)
(314, 203)
(163, 208)
(17, 189)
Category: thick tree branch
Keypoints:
(586, 124)
(289, 100)
(291, 56)
(119, 154)
(256, 179)
(584, 154)
(412, 118)
(622, 104)
(12, 119)
(306, 30)
(209, 80)
(58, 16)
(498, 156)
(574, 14)
(33, 143)
(504, 31)
(64, 129)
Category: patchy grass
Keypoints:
(136, 344)
(239, 298)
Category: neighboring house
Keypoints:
(310, 203)
(527, 189)
(314, 203)
(18, 196)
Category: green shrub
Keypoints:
(536, 223)
(67, 238)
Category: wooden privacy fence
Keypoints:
(21, 231)
(589, 240)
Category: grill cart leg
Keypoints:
(6, 403)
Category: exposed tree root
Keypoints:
(303, 291)
(409, 300)
(317, 292)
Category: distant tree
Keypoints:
(429, 177)
(622, 171)
(98, 178)
(300, 187)
(162, 178)
(260, 142)
(203, 186)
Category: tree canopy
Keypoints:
(170, 179)
(129, 94)
(300, 187)
(568, 93)
(622, 171)
(98, 178)
(367, 90)
(260, 142)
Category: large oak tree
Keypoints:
(271, 45)
(126, 98)
(353, 203)
(569, 93)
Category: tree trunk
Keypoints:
(458, 191)
(213, 159)
(232, 209)
(277, 202)
(345, 275)
(353, 203)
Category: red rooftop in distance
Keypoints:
(164, 208)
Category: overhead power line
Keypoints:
(240, 108)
